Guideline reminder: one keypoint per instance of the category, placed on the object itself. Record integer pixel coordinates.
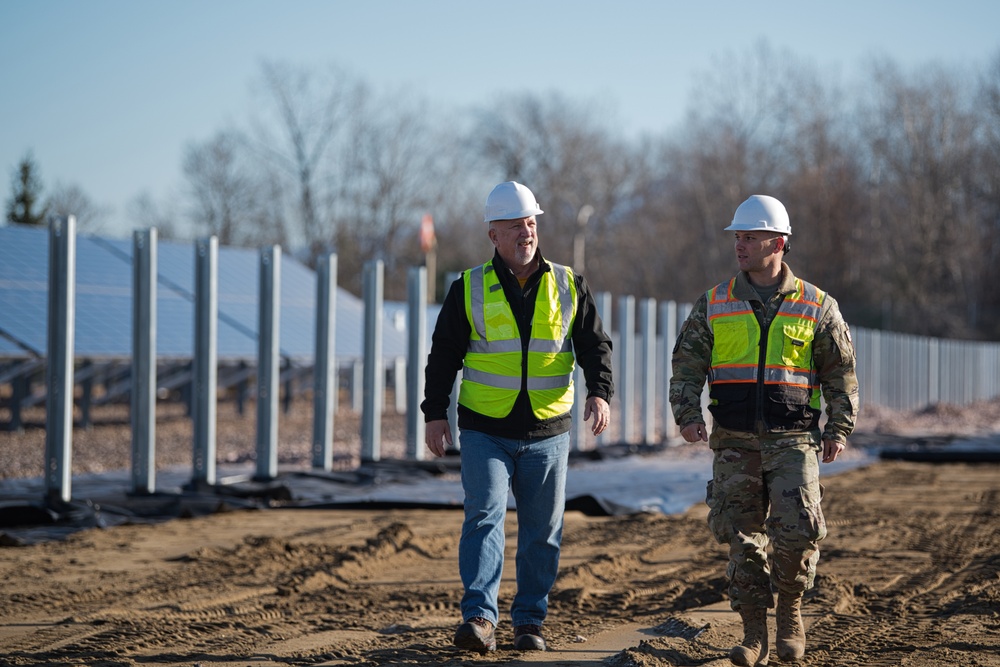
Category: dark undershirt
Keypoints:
(765, 293)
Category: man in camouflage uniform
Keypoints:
(770, 345)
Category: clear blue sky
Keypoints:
(107, 93)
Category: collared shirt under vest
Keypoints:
(497, 363)
(764, 378)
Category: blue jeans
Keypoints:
(535, 470)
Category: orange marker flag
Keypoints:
(427, 238)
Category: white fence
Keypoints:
(907, 372)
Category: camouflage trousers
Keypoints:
(764, 502)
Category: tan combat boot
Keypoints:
(753, 650)
(790, 638)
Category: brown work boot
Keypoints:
(753, 650)
(529, 638)
(476, 634)
(790, 639)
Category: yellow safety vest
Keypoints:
(495, 362)
(775, 382)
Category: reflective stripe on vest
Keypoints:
(492, 376)
(788, 358)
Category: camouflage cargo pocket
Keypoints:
(715, 522)
(811, 520)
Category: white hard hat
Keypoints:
(510, 201)
(761, 213)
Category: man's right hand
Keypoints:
(437, 435)
(695, 432)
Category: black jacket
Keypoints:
(591, 346)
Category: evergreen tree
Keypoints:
(24, 206)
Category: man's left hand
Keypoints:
(601, 412)
(831, 449)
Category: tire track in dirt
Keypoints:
(659, 572)
(221, 604)
(910, 575)
(918, 578)
(955, 547)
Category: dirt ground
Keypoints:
(909, 575)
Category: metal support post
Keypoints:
(144, 270)
(416, 359)
(647, 378)
(933, 371)
(59, 357)
(374, 379)
(325, 371)
(357, 383)
(206, 371)
(268, 362)
(626, 340)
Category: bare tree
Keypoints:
(72, 200)
(229, 197)
(987, 174)
(921, 136)
(300, 120)
(384, 172)
(144, 212)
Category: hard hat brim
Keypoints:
(525, 213)
(762, 228)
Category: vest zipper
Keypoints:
(767, 317)
(765, 326)
(527, 308)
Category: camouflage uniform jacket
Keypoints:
(833, 357)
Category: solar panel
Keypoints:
(11, 350)
(104, 301)
(24, 285)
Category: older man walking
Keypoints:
(515, 326)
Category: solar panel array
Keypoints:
(104, 301)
